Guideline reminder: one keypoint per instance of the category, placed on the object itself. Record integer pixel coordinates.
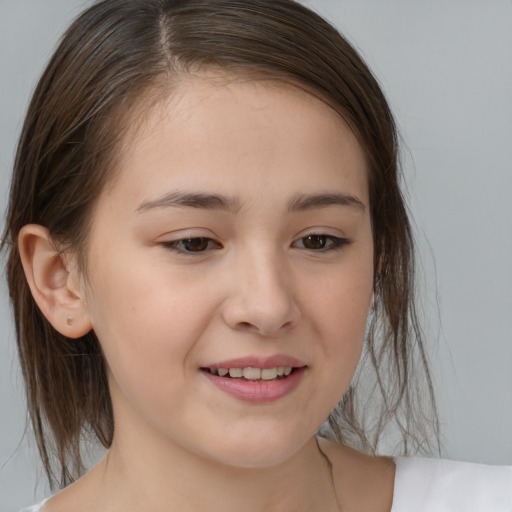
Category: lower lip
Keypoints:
(257, 391)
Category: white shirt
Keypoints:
(437, 485)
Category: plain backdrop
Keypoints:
(446, 67)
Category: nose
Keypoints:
(261, 297)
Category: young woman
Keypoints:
(211, 268)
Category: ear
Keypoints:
(55, 289)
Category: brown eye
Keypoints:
(190, 246)
(195, 244)
(321, 243)
(315, 242)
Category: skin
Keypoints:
(258, 287)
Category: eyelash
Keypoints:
(336, 243)
(179, 246)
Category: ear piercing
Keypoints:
(69, 321)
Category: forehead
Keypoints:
(209, 127)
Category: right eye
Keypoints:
(191, 245)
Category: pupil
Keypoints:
(196, 244)
(315, 242)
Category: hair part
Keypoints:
(117, 60)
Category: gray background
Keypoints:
(446, 66)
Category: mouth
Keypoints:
(250, 373)
(257, 380)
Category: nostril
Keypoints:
(246, 327)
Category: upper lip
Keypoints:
(258, 362)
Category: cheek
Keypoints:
(343, 298)
(342, 304)
(147, 322)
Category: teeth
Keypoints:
(250, 373)
(269, 373)
(236, 372)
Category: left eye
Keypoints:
(192, 245)
(320, 242)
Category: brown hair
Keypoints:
(108, 60)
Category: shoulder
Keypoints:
(426, 485)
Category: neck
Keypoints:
(156, 478)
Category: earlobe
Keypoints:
(53, 287)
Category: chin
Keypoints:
(259, 451)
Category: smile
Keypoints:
(250, 373)
(256, 385)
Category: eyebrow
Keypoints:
(302, 202)
(306, 202)
(191, 200)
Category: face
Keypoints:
(235, 238)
